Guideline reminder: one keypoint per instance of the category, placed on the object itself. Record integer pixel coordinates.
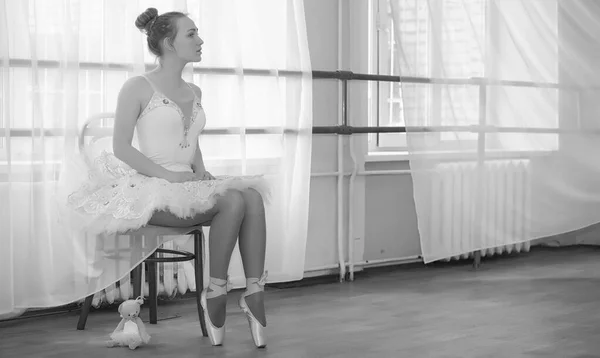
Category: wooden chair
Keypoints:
(96, 127)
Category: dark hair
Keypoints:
(158, 27)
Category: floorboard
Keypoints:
(539, 304)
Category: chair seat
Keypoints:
(152, 230)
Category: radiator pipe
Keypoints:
(342, 85)
(340, 207)
(481, 139)
(351, 196)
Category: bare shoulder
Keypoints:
(136, 87)
(196, 89)
(134, 95)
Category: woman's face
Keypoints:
(187, 44)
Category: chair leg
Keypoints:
(85, 310)
(137, 281)
(87, 304)
(199, 275)
(152, 289)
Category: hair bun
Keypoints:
(145, 18)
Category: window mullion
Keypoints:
(436, 63)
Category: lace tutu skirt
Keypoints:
(116, 198)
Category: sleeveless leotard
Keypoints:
(116, 198)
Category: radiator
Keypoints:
(173, 278)
(506, 199)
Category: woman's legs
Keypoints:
(225, 220)
(253, 246)
(224, 230)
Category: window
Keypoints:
(453, 35)
(90, 36)
(384, 97)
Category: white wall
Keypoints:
(385, 224)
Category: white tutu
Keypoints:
(116, 198)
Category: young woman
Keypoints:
(165, 182)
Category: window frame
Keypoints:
(377, 153)
(375, 100)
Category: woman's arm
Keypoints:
(127, 112)
(198, 164)
(200, 171)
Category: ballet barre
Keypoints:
(339, 129)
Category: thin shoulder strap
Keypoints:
(189, 85)
(151, 83)
(191, 88)
(156, 88)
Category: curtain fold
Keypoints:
(65, 60)
(509, 152)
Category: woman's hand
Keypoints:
(204, 175)
(181, 177)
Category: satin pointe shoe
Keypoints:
(254, 285)
(217, 287)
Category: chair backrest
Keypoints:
(96, 135)
(96, 129)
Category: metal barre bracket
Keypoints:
(345, 130)
(345, 75)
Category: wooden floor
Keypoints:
(545, 303)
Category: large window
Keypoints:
(449, 39)
(103, 49)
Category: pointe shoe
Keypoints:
(254, 285)
(218, 287)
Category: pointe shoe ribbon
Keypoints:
(219, 287)
(256, 286)
(263, 279)
(229, 284)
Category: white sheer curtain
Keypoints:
(504, 138)
(65, 60)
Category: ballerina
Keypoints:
(164, 182)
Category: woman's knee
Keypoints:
(253, 200)
(232, 202)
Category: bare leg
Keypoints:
(225, 220)
(253, 246)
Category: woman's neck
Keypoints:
(170, 72)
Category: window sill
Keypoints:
(378, 157)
